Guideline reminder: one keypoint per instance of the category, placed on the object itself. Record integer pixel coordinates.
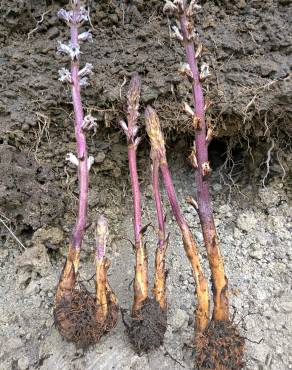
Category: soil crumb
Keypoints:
(75, 318)
(147, 332)
(220, 347)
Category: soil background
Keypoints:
(248, 47)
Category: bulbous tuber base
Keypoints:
(146, 330)
(77, 319)
(220, 347)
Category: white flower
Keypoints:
(124, 127)
(84, 82)
(89, 122)
(70, 157)
(86, 70)
(199, 51)
(180, 5)
(72, 51)
(192, 8)
(83, 15)
(85, 36)
(137, 142)
(90, 162)
(176, 33)
(204, 71)
(170, 7)
(65, 75)
(66, 16)
(188, 110)
(185, 70)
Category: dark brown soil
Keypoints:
(76, 321)
(220, 347)
(147, 332)
(249, 90)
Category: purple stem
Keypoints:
(80, 139)
(135, 191)
(172, 195)
(203, 197)
(158, 203)
(133, 142)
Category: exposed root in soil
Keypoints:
(75, 317)
(220, 347)
(146, 331)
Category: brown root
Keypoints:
(146, 330)
(202, 311)
(219, 279)
(69, 274)
(141, 278)
(102, 266)
(75, 317)
(159, 289)
(220, 347)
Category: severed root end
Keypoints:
(146, 331)
(159, 289)
(75, 317)
(220, 347)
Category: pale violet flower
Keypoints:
(83, 15)
(72, 51)
(86, 70)
(65, 75)
(66, 16)
(85, 36)
(84, 82)
(89, 122)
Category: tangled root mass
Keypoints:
(220, 347)
(75, 319)
(146, 332)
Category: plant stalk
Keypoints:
(68, 277)
(191, 249)
(219, 280)
(141, 267)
